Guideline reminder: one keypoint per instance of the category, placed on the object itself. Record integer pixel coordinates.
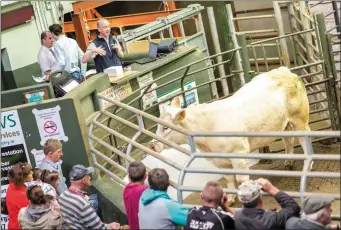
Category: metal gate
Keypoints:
(306, 50)
(141, 130)
(331, 12)
(307, 56)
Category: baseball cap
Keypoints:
(248, 191)
(313, 204)
(79, 171)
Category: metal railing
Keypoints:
(139, 125)
(310, 59)
(183, 74)
(140, 128)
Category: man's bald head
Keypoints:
(103, 27)
(212, 192)
(102, 22)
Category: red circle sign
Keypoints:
(50, 127)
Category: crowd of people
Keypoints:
(38, 198)
(59, 52)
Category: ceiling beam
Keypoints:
(85, 5)
(124, 20)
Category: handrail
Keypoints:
(303, 174)
(284, 36)
(268, 134)
(144, 114)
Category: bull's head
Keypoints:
(176, 116)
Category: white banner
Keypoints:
(118, 92)
(38, 156)
(49, 124)
(191, 96)
(149, 98)
(13, 150)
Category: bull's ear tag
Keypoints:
(175, 102)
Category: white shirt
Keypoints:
(47, 60)
(69, 55)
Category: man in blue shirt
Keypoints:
(52, 161)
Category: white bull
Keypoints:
(272, 101)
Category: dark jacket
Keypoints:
(297, 223)
(252, 218)
(209, 218)
(110, 58)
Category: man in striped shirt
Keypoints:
(74, 206)
(52, 161)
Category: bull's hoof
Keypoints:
(264, 161)
(289, 167)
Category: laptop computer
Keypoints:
(151, 55)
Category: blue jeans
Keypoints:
(93, 200)
(78, 76)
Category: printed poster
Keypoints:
(191, 96)
(13, 150)
(117, 92)
(38, 156)
(149, 98)
(49, 124)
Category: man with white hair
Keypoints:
(105, 49)
(317, 214)
(253, 216)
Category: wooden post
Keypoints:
(81, 34)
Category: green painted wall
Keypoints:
(73, 149)
(15, 97)
(23, 76)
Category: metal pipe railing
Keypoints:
(143, 114)
(232, 51)
(284, 36)
(284, 156)
(267, 134)
(181, 92)
(138, 145)
(304, 175)
(234, 191)
(146, 132)
(110, 161)
(250, 156)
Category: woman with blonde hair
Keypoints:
(16, 192)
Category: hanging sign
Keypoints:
(117, 92)
(49, 124)
(149, 98)
(191, 96)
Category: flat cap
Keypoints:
(313, 204)
(248, 191)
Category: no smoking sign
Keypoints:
(50, 127)
(49, 124)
